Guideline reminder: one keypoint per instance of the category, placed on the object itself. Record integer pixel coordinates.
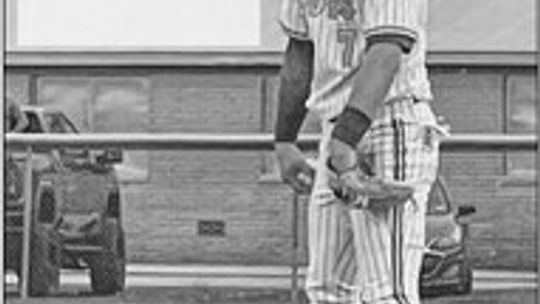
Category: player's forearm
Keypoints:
(294, 89)
(370, 87)
(374, 79)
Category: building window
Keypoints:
(46, 24)
(104, 105)
(521, 119)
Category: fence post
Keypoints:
(295, 242)
(27, 226)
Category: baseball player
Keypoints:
(360, 66)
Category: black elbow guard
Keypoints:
(405, 42)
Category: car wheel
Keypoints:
(107, 270)
(467, 280)
(44, 274)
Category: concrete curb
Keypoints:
(279, 277)
(285, 271)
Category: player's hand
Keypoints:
(294, 168)
(354, 182)
(342, 157)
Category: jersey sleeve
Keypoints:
(395, 20)
(293, 20)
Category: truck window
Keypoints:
(57, 123)
(33, 123)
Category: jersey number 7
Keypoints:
(347, 37)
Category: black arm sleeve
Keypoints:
(294, 89)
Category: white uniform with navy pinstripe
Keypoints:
(357, 255)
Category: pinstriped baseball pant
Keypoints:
(364, 256)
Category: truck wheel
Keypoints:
(107, 270)
(14, 181)
(44, 274)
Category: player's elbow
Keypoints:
(386, 56)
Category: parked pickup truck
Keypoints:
(76, 217)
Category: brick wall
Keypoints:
(162, 208)
(478, 100)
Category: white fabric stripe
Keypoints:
(378, 14)
(289, 31)
(401, 256)
(384, 243)
(400, 15)
(326, 247)
(380, 243)
(370, 255)
(292, 18)
(316, 229)
(395, 252)
(412, 256)
(363, 254)
(403, 144)
(399, 209)
(411, 231)
(398, 288)
(414, 252)
(373, 226)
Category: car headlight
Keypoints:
(451, 240)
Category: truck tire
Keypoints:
(14, 181)
(107, 270)
(45, 250)
(465, 286)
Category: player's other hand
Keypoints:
(353, 186)
(342, 157)
(294, 167)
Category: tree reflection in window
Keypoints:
(57, 123)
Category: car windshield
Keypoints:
(33, 124)
(438, 201)
(58, 123)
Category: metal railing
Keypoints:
(226, 142)
(171, 141)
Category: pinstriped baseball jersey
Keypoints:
(339, 29)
